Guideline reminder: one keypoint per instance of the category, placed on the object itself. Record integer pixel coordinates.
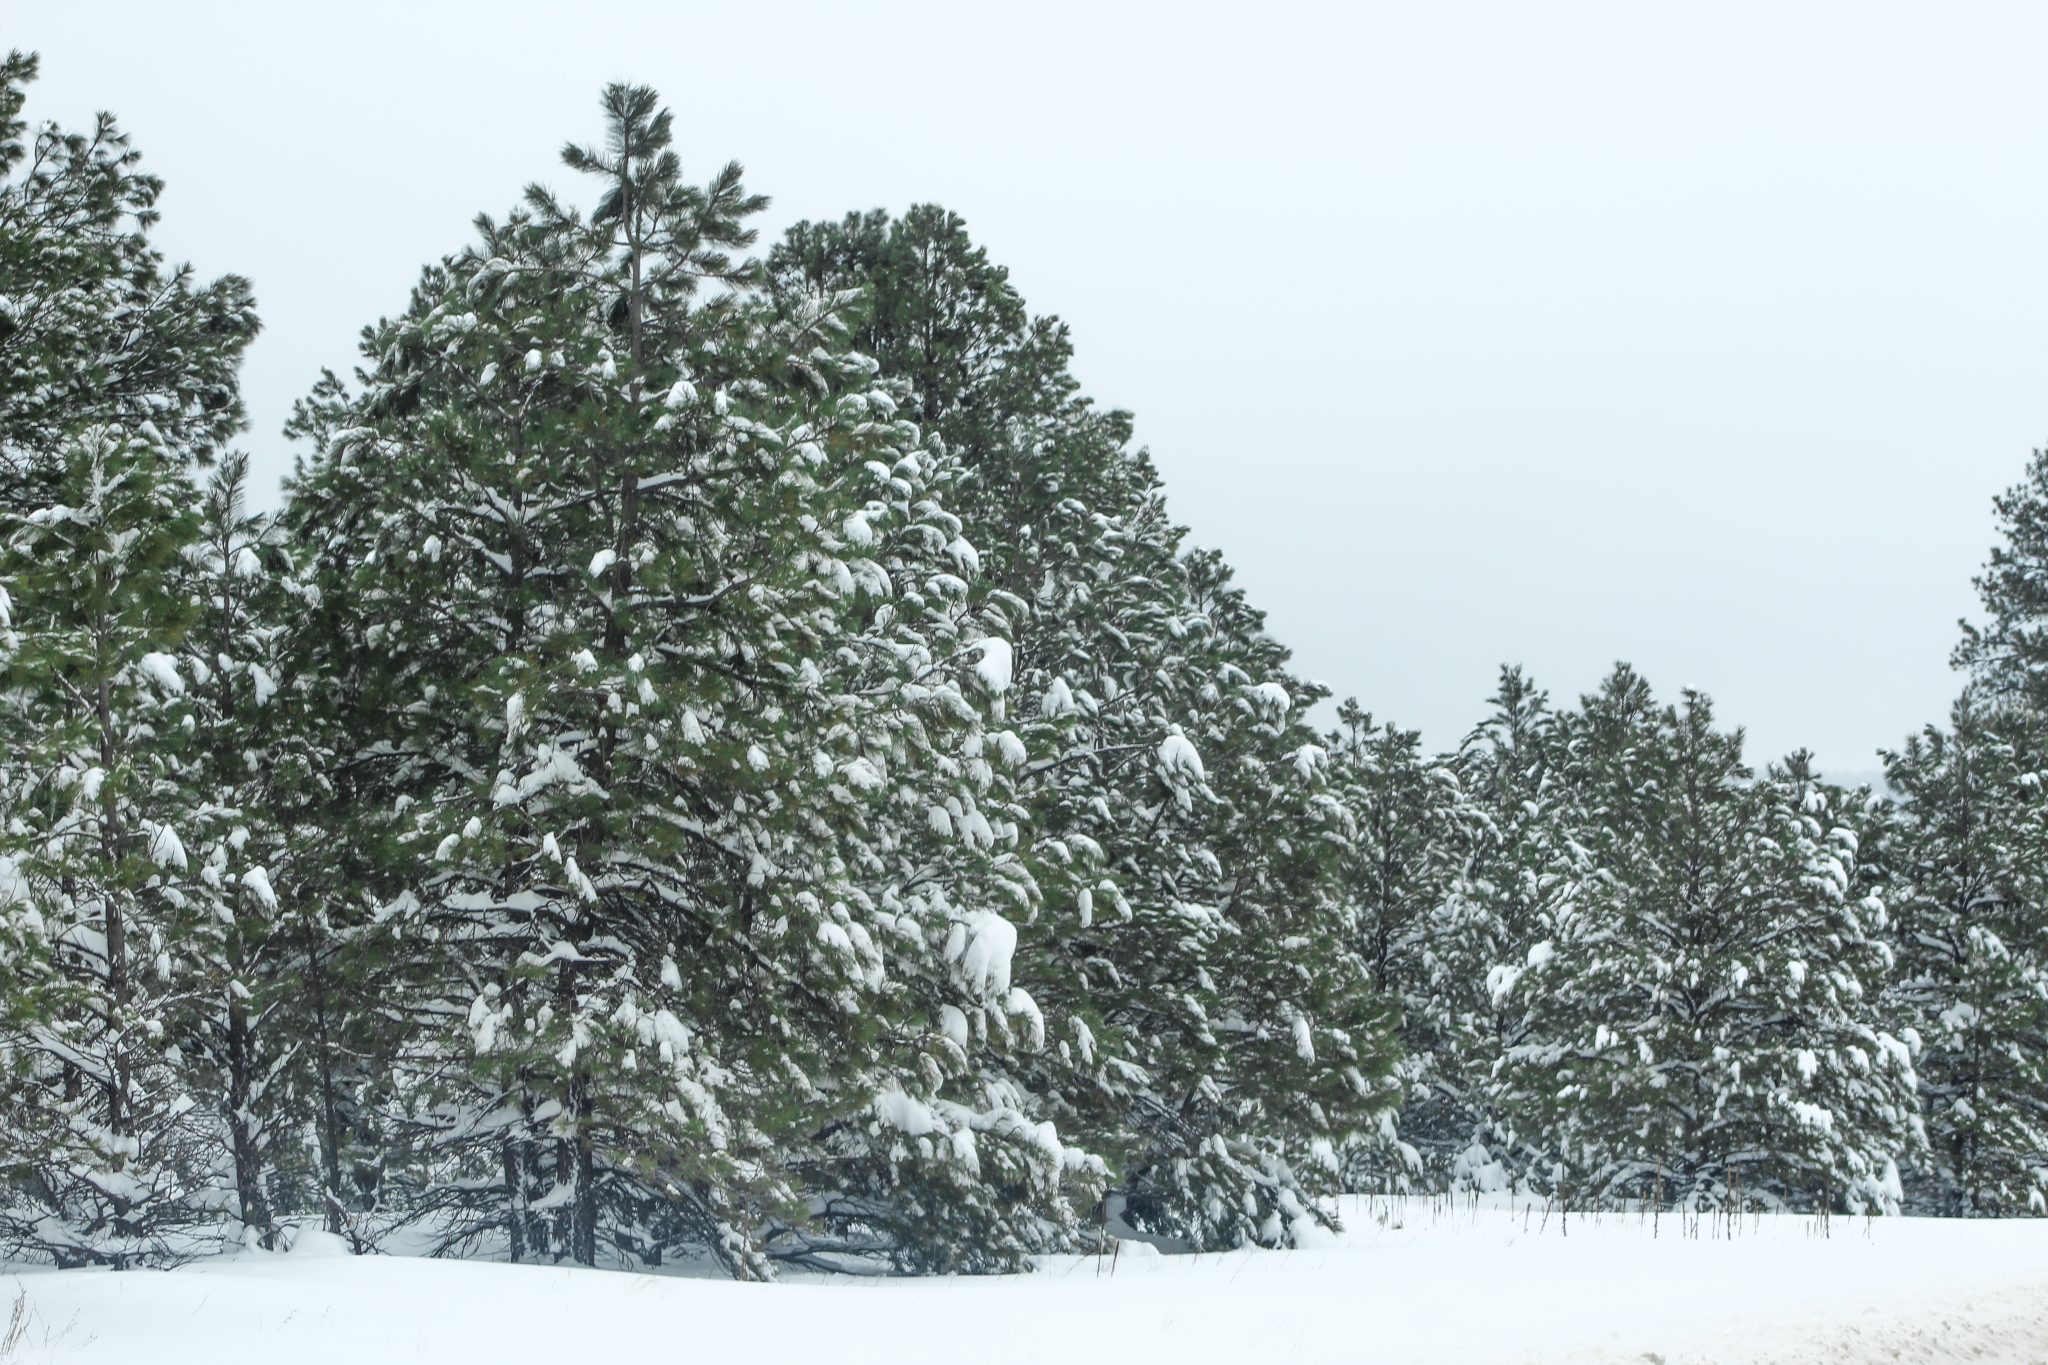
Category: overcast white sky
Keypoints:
(1558, 333)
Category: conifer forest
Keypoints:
(724, 755)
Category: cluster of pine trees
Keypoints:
(716, 756)
(1632, 968)
(726, 755)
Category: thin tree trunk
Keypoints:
(515, 1212)
(329, 1120)
(120, 1106)
(629, 478)
(242, 1125)
(584, 1230)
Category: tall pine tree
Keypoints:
(1406, 822)
(1966, 856)
(117, 378)
(1705, 1020)
(676, 718)
(1518, 865)
(107, 1160)
(1222, 1037)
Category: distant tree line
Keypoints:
(727, 756)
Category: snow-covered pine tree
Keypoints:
(1141, 674)
(119, 376)
(1966, 856)
(242, 1032)
(670, 675)
(1705, 1022)
(1405, 824)
(1304, 1047)
(1518, 868)
(96, 329)
(109, 1157)
(344, 782)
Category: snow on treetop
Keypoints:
(1271, 696)
(996, 663)
(257, 881)
(162, 670)
(166, 849)
(1177, 755)
(1304, 1039)
(907, 1115)
(964, 554)
(981, 946)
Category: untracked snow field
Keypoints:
(1411, 1282)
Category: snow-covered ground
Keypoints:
(1431, 1284)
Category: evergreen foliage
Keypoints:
(241, 1031)
(1703, 1018)
(117, 377)
(107, 1154)
(2007, 655)
(1966, 856)
(732, 759)
(1226, 1040)
(1518, 867)
(1406, 820)
(686, 729)
(96, 330)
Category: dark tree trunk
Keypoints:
(583, 1229)
(330, 1118)
(242, 1124)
